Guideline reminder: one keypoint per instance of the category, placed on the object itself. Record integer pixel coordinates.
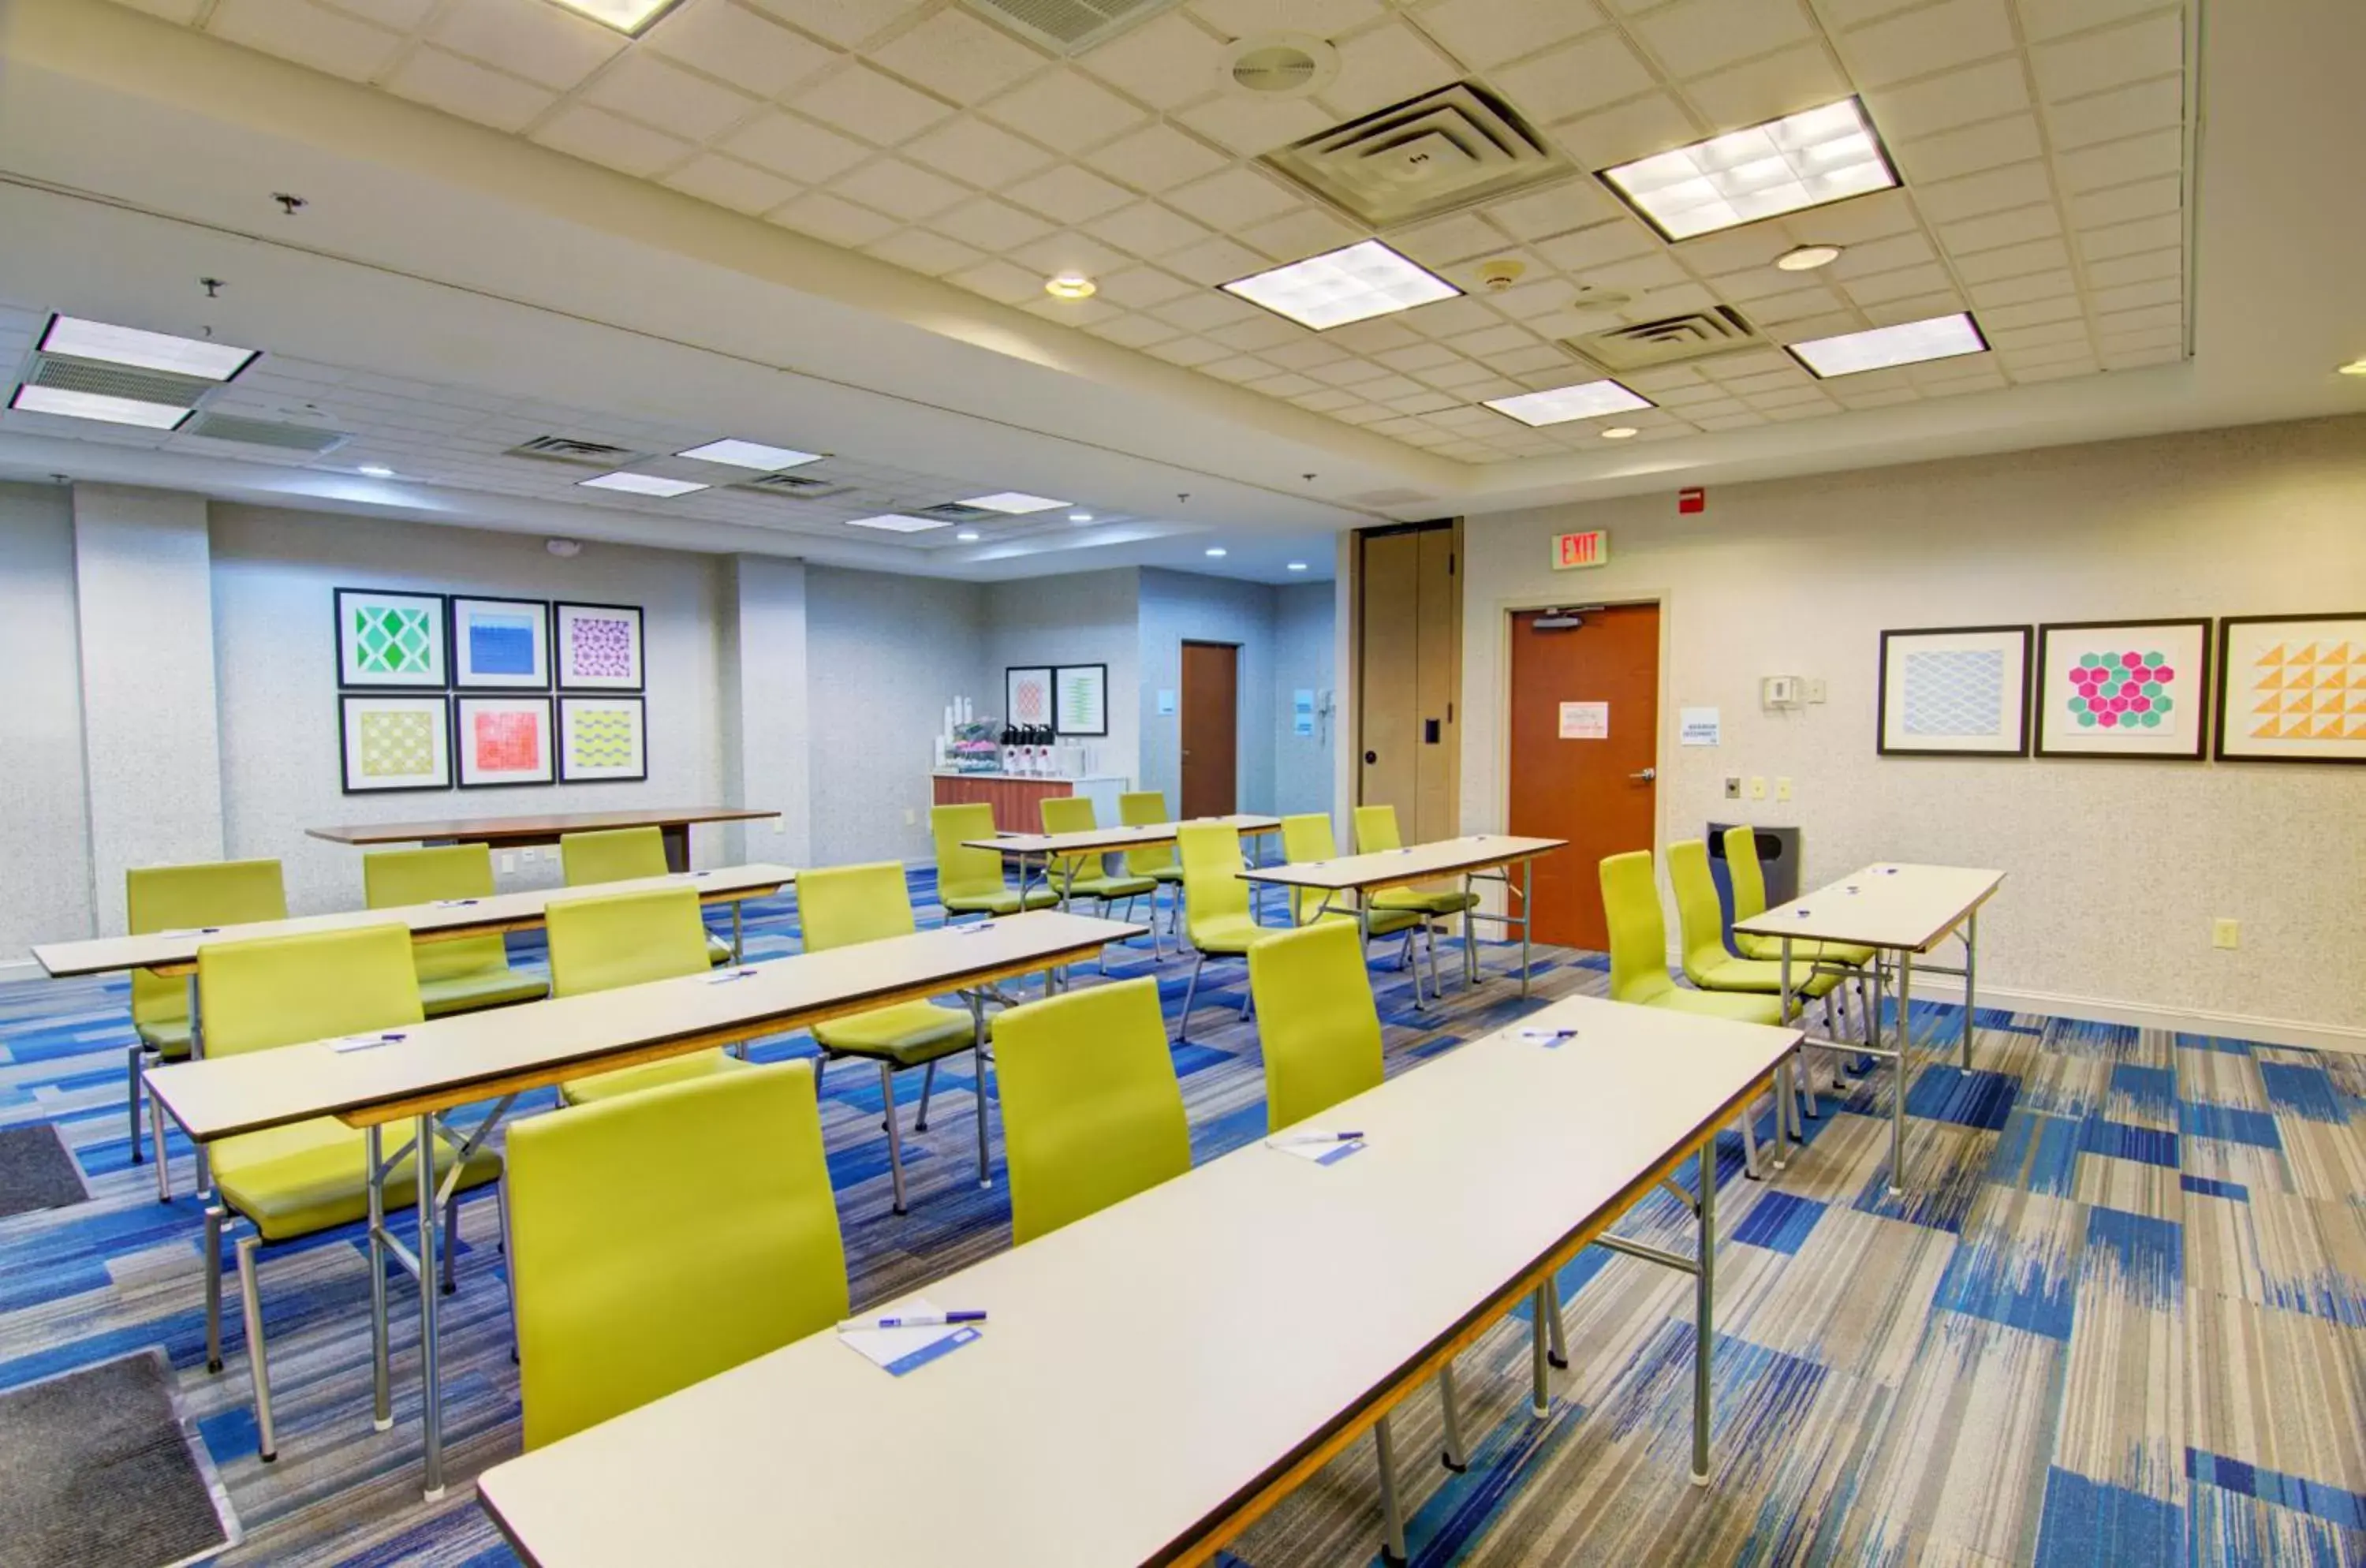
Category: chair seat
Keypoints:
(1738, 1007)
(1769, 949)
(1451, 902)
(717, 949)
(1107, 886)
(631, 1081)
(1232, 934)
(1165, 874)
(1384, 922)
(1753, 974)
(169, 1038)
(299, 1179)
(497, 986)
(1006, 902)
(906, 1034)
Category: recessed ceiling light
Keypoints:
(1619, 432)
(2355, 367)
(1784, 165)
(1338, 287)
(1217, 552)
(967, 535)
(1018, 503)
(1071, 285)
(1297, 566)
(1559, 405)
(92, 405)
(897, 522)
(641, 484)
(149, 351)
(1808, 258)
(628, 16)
(1087, 516)
(374, 471)
(1911, 343)
(750, 455)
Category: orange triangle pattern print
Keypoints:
(2311, 691)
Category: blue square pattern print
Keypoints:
(502, 645)
(1955, 692)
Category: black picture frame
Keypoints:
(2201, 728)
(558, 739)
(1060, 729)
(348, 680)
(559, 661)
(1882, 747)
(452, 660)
(460, 750)
(2226, 624)
(442, 729)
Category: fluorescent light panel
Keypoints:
(149, 351)
(1559, 405)
(751, 455)
(630, 17)
(1016, 503)
(1911, 343)
(1784, 165)
(91, 405)
(641, 484)
(897, 523)
(1355, 284)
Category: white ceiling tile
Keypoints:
(1746, 288)
(1969, 150)
(1910, 248)
(2093, 61)
(1290, 384)
(462, 87)
(1234, 198)
(2018, 338)
(1069, 193)
(1784, 82)
(1167, 63)
(1202, 311)
(1148, 229)
(1543, 295)
(2125, 238)
(1259, 333)
(1386, 65)
(528, 38)
(1529, 360)
(1793, 304)
(1752, 245)
(844, 22)
(1071, 312)
(1325, 400)
(1693, 37)
(1132, 331)
(726, 182)
(1458, 374)
(1450, 317)
(1139, 288)
(1065, 110)
(1936, 37)
(309, 34)
(2052, 19)
(998, 279)
(971, 150)
(1236, 367)
(2020, 290)
(1390, 385)
(2121, 162)
(1056, 253)
(1418, 357)
(1215, 261)
(1636, 129)
(1991, 191)
(1912, 308)
(603, 138)
(1306, 354)
(646, 88)
(1857, 221)
(2037, 373)
(2147, 198)
(1324, 18)
(827, 217)
(917, 249)
(2126, 111)
(185, 11)
(1254, 129)
(1598, 246)
(1157, 157)
(1556, 209)
(1308, 231)
(2142, 318)
(1675, 300)
(1943, 102)
(900, 189)
(861, 102)
(990, 225)
(1422, 402)
(1638, 273)
(730, 41)
(1575, 79)
(2062, 309)
(2012, 261)
(1485, 345)
(956, 56)
(2141, 267)
(1485, 33)
(2013, 228)
(794, 147)
(1372, 336)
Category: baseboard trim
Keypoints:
(2189, 1020)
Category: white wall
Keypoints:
(1303, 626)
(1086, 617)
(1176, 607)
(2116, 868)
(44, 822)
(767, 733)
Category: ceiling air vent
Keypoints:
(568, 450)
(67, 374)
(954, 511)
(1697, 334)
(1442, 150)
(1070, 27)
(1279, 65)
(267, 433)
(796, 487)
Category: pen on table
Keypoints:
(1299, 1140)
(911, 1320)
(725, 976)
(364, 1042)
(1554, 1035)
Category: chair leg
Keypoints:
(1539, 1380)
(156, 1135)
(821, 1060)
(258, 1366)
(1183, 1024)
(215, 1217)
(895, 1137)
(1452, 1454)
(1429, 930)
(927, 1086)
(977, 1066)
(508, 1264)
(1750, 1141)
(1248, 997)
(131, 1098)
(450, 1244)
(1393, 1551)
(1557, 1354)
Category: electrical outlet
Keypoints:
(911, 817)
(1757, 787)
(2227, 933)
(509, 861)
(1782, 789)
(1732, 786)
(780, 824)
(529, 854)
(1815, 685)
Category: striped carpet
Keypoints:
(2120, 1318)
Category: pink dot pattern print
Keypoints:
(2129, 692)
(603, 647)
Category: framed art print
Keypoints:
(2122, 689)
(1080, 699)
(2291, 688)
(503, 740)
(389, 639)
(1027, 692)
(501, 644)
(601, 740)
(598, 646)
(1955, 692)
(393, 743)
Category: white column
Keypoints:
(767, 738)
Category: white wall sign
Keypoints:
(1166, 702)
(1585, 721)
(1301, 711)
(1701, 726)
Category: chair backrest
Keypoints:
(1091, 1110)
(1638, 934)
(1145, 808)
(1699, 920)
(1376, 829)
(964, 872)
(612, 855)
(284, 990)
(392, 878)
(1741, 868)
(172, 897)
(1306, 837)
(623, 939)
(1070, 814)
(1316, 1020)
(659, 1238)
(841, 905)
(1211, 867)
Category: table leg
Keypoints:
(431, 1239)
(1540, 1384)
(1971, 968)
(737, 933)
(677, 844)
(1783, 1111)
(1897, 1085)
(1391, 1508)
(977, 1066)
(381, 1393)
(1527, 916)
(1703, 1305)
(1470, 939)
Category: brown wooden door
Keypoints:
(1409, 677)
(1212, 728)
(1587, 791)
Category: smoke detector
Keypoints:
(1278, 65)
(1500, 273)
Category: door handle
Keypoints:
(1647, 776)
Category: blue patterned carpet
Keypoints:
(2120, 1318)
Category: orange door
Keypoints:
(1212, 728)
(1585, 737)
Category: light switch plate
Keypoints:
(509, 861)
(2227, 933)
(1757, 787)
(1815, 685)
(1782, 789)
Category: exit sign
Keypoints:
(1589, 548)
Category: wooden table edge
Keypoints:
(361, 835)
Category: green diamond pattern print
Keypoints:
(390, 640)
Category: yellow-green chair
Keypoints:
(465, 974)
(1320, 1031)
(970, 882)
(1749, 881)
(299, 1180)
(1089, 877)
(845, 906)
(1091, 1110)
(1375, 831)
(660, 1238)
(625, 854)
(1147, 809)
(629, 939)
(1306, 839)
(1215, 904)
(179, 897)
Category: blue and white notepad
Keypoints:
(901, 1350)
(1321, 1148)
(1551, 1039)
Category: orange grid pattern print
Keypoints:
(2313, 691)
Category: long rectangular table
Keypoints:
(470, 1058)
(1156, 1376)
(1469, 857)
(673, 824)
(1901, 911)
(1035, 851)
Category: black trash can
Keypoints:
(1778, 861)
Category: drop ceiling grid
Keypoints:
(2041, 139)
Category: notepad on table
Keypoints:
(901, 1350)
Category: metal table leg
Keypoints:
(381, 1391)
(1704, 1306)
(1470, 939)
(1897, 1085)
(738, 946)
(978, 1065)
(1784, 1113)
(431, 1239)
(1971, 968)
(1527, 916)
